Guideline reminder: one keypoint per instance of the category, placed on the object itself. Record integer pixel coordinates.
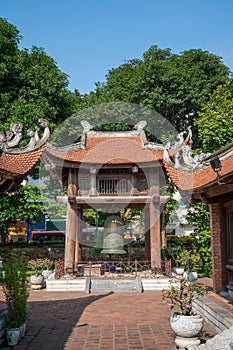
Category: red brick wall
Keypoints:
(34, 252)
(217, 229)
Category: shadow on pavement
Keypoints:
(51, 322)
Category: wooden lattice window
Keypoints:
(112, 185)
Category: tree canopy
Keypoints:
(215, 119)
(31, 85)
(174, 85)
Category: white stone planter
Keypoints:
(191, 276)
(46, 273)
(13, 336)
(178, 270)
(2, 330)
(187, 329)
(23, 330)
(230, 292)
(36, 281)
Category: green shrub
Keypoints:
(16, 289)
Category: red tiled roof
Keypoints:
(200, 178)
(110, 150)
(19, 164)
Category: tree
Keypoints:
(31, 85)
(173, 85)
(22, 205)
(9, 40)
(8, 215)
(215, 120)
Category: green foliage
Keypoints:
(198, 215)
(181, 295)
(175, 245)
(16, 289)
(91, 216)
(171, 206)
(24, 204)
(28, 202)
(38, 265)
(8, 214)
(31, 85)
(215, 120)
(183, 241)
(171, 84)
(96, 252)
(189, 260)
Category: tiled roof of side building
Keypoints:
(19, 164)
(199, 178)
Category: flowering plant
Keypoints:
(38, 265)
(181, 295)
(188, 259)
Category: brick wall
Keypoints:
(218, 247)
(54, 252)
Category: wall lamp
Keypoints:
(217, 166)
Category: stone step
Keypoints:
(107, 285)
(65, 285)
(155, 283)
(116, 285)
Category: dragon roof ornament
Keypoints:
(12, 137)
(180, 155)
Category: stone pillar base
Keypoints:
(183, 343)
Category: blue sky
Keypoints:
(89, 37)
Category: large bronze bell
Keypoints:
(113, 231)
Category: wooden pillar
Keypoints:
(78, 246)
(93, 190)
(147, 232)
(218, 245)
(155, 239)
(70, 244)
(71, 222)
(134, 181)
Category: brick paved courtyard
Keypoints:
(78, 321)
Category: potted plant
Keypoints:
(47, 267)
(36, 279)
(185, 322)
(173, 254)
(40, 268)
(189, 260)
(16, 294)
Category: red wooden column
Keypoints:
(71, 222)
(155, 240)
(218, 245)
(147, 232)
(78, 246)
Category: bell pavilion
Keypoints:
(116, 170)
(110, 170)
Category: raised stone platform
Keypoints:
(102, 285)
